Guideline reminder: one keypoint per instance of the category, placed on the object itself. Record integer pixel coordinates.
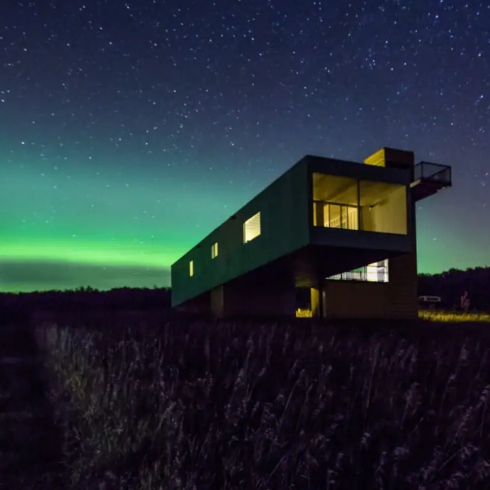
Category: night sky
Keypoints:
(131, 129)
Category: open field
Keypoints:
(193, 405)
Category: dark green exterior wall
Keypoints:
(285, 215)
(286, 208)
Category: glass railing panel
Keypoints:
(432, 171)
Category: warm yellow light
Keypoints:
(191, 268)
(315, 301)
(453, 316)
(214, 250)
(251, 228)
(304, 313)
(378, 159)
(335, 202)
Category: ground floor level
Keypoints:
(385, 289)
(354, 299)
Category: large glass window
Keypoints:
(340, 216)
(349, 204)
(383, 207)
(335, 202)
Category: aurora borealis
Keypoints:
(131, 129)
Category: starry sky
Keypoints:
(131, 129)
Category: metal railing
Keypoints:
(432, 172)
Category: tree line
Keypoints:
(450, 285)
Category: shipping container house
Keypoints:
(328, 238)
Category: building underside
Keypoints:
(319, 281)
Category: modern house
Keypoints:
(329, 238)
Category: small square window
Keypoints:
(191, 268)
(251, 228)
(214, 250)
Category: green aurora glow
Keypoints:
(94, 222)
(128, 134)
(112, 228)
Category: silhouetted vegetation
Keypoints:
(30, 440)
(452, 284)
(71, 306)
(197, 405)
(86, 303)
(138, 298)
(149, 398)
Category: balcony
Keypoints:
(428, 179)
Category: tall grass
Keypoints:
(453, 317)
(204, 406)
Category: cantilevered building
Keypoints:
(328, 238)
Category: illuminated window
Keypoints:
(251, 228)
(191, 268)
(214, 250)
(343, 202)
(330, 215)
(335, 202)
(383, 207)
(376, 272)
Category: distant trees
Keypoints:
(459, 289)
(84, 298)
